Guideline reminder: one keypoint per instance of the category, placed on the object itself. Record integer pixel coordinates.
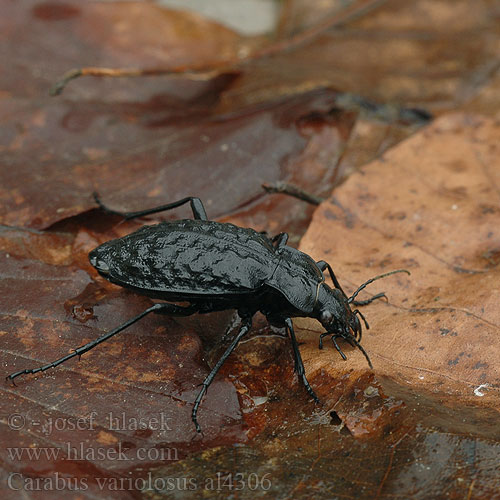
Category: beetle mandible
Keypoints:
(215, 266)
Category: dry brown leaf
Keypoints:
(142, 141)
(430, 205)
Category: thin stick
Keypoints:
(291, 190)
(202, 73)
(205, 72)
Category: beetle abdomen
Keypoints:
(188, 257)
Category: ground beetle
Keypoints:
(216, 266)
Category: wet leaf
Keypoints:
(126, 405)
(73, 34)
(117, 423)
(160, 134)
(161, 157)
(130, 398)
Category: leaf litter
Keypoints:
(388, 433)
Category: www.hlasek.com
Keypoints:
(81, 452)
(218, 482)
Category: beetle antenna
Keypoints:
(371, 280)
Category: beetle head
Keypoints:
(335, 314)
(338, 319)
(333, 310)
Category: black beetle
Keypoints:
(217, 266)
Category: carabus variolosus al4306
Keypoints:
(215, 266)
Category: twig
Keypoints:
(389, 467)
(205, 72)
(291, 190)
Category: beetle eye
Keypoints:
(325, 316)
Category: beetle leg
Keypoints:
(247, 324)
(197, 208)
(163, 308)
(360, 347)
(280, 240)
(354, 343)
(175, 310)
(299, 365)
(322, 265)
(235, 319)
(321, 339)
(334, 337)
(90, 345)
